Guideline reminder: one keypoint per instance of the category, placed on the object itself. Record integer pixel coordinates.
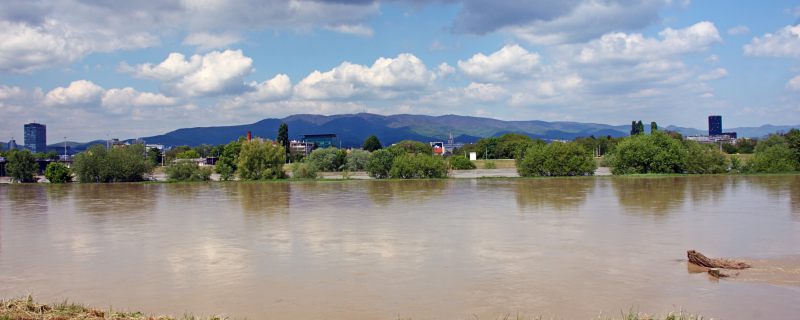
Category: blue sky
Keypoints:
(90, 69)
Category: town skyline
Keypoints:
(147, 69)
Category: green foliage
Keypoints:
(57, 172)
(189, 154)
(51, 155)
(372, 143)
(418, 166)
(120, 164)
(772, 155)
(736, 164)
(489, 165)
(283, 137)
(172, 154)
(227, 163)
(261, 160)
(602, 144)
(357, 160)
(414, 147)
(154, 156)
(793, 142)
(328, 159)
(653, 126)
(488, 148)
(556, 159)
(21, 166)
(203, 150)
(304, 170)
(459, 162)
(704, 159)
(637, 127)
(380, 162)
(653, 153)
(187, 170)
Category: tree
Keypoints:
(556, 159)
(705, 159)
(793, 142)
(653, 127)
(487, 148)
(188, 170)
(283, 137)
(356, 160)
(772, 155)
(21, 166)
(418, 166)
(261, 160)
(372, 143)
(328, 159)
(410, 146)
(654, 153)
(57, 172)
(304, 170)
(640, 126)
(154, 156)
(460, 162)
(188, 154)
(227, 163)
(119, 164)
(380, 163)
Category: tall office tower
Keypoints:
(36, 137)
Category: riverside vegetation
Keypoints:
(657, 152)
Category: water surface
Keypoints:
(442, 249)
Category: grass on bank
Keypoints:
(27, 308)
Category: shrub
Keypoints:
(372, 143)
(460, 163)
(654, 153)
(704, 159)
(21, 166)
(304, 170)
(120, 164)
(227, 163)
(187, 170)
(189, 154)
(772, 159)
(380, 163)
(418, 166)
(556, 159)
(414, 147)
(356, 160)
(328, 159)
(261, 160)
(57, 173)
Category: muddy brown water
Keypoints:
(450, 249)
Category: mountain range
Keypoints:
(352, 129)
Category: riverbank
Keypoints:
(27, 308)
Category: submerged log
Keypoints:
(703, 261)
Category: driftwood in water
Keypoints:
(703, 261)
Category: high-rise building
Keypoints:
(12, 145)
(714, 125)
(36, 137)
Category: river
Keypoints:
(573, 248)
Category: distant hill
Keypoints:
(352, 129)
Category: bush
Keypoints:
(654, 153)
(356, 160)
(187, 170)
(261, 160)
(328, 159)
(556, 159)
(57, 173)
(772, 155)
(227, 163)
(380, 163)
(460, 163)
(413, 147)
(304, 170)
(418, 166)
(21, 166)
(189, 154)
(704, 159)
(120, 164)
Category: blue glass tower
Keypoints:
(36, 137)
(714, 125)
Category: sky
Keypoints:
(92, 69)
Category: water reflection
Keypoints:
(122, 199)
(266, 198)
(650, 196)
(26, 198)
(561, 194)
(385, 192)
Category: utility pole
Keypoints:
(65, 148)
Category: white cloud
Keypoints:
(387, 77)
(509, 62)
(275, 89)
(738, 30)
(354, 29)
(119, 100)
(445, 70)
(784, 43)
(201, 75)
(712, 58)
(77, 93)
(207, 41)
(11, 92)
(715, 74)
(794, 84)
(485, 92)
(621, 46)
